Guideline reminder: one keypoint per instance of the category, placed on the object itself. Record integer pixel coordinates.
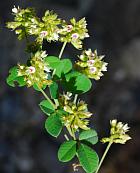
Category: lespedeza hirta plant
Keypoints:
(42, 71)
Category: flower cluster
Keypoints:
(77, 113)
(36, 72)
(91, 64)
(74, 32)
(24, 21)
(118, 133)
(50, 27)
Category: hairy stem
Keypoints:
(45, 95)
(62, 50)
(104, 155)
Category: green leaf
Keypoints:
(53, 61)
(36, 87)
(77, 82)
(54, 90)
(13, 78)
(67, 151)
(89, 136)
(60, 66)
(53, 125)
(83, 83)
(63, 67)
(88, 158)
(46, 107)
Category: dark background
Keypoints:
(114, 26)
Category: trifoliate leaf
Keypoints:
(53, 125)
(88, 158)
(53, 61)
(77, 83)
(46, 107)
(14, 78)
(89, 136)
(63, 67)
(54, 90)
(67, 151)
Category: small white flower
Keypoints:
(88, 52)
(92, 69)
(43, 34)
(81, 57)
(119, 125)
(113, 122)
(47, 69)
(33, 20)
(55, 36)
(31, 70)
(86, 35)
(43, 54)
(104, 67)
(69, 28)
(75, 36)
(15, 10)
(126, 128)
(90, 62)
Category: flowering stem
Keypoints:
(104, 155)
(45, 95)
(62, 49)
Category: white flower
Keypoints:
(126, 128)
(69, 28)
(104, 67)
(47, 69)
(113, 122)
(75, 36)
(118, 133)
(55, 36)
(86, 35)
(90, 62)
(88, 52)
(43, 34)
(92, 69)
(15, 10)
(31, 70)
(43, 54)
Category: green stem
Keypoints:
(75, 98)
(104, 155)
(45, 95)
(62, 49)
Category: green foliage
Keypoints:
(14, 78)
(63, 67)
(42, 71)
(60, 66)
(54, 90)
(46, 107)
(89, 136)
(37, 89)
(88, 158)
(77, 83)
(67, 151)
(53, 125)
(53, 61)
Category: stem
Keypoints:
(103, 157)
(75, 98)
(66, 137)
(62, 49)
(45, 95)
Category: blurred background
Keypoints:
(114, 27)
